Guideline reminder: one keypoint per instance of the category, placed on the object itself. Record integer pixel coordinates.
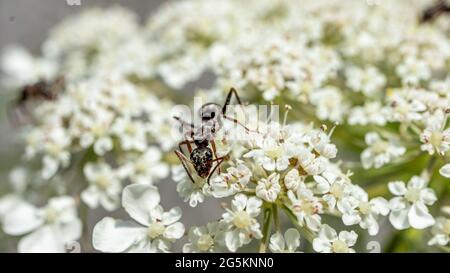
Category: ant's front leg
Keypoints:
(219, 161)
(228, 100)
(213, 145)
(238, 122)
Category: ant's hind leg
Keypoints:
(187, 143)
(184, 160)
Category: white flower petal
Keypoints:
(399, 218)
(239, 202)
(232, 240)
(276, 244)
(43, 240)
(22, 219)
(91, 197)
(112, 235)
(445, 171)
(254, 206)
(138, 200)
(174, 231)
(292, 237)
(419, 217)
(397, 188)
(171, 216)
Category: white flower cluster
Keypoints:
(106, 140)
(284, 167)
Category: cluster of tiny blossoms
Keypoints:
(107, 140)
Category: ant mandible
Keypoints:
(202, 157)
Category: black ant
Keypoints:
(202, 157)
(435, 11)
(41, 90)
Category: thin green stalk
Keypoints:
(276, 219)
(266, 230)
(309, 235)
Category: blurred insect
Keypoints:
(431, 13)
(43, 90)
(203, 156)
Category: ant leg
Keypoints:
(213, 145)
(184, 123)
(228, 100)
(219, 161)
(184, 160)
(238, 122)
(187, 143)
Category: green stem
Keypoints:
(276, 219)
(266, 230)
(309, 235)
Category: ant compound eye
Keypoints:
(209, 111)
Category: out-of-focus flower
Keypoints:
(154, 232)
(380, 151)
(105, 186)
(441, 232)
(48, 229)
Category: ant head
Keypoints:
(201, 142)
(210, 111)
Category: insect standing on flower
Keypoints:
(431, 13)
(42, 90)
(203, 156)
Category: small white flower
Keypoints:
(293, 180)
(370, 113)
(209, 238)
(364, 212)
(49, 228)
(154, 231)
(445, 170)
(104, 188)
(309, 163)
(328, 241)
(330, 104)
(132, 134)
(147, 168)
(306, 207)
(231, 182)
(409, 207)
(241, 221)
(285, 244)
(441, 232)
(368, 80)
(413, 70)
(271, 156)
(380, 151)
(190, 192)
(56, 155)
(268, 189)
(435, 139)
